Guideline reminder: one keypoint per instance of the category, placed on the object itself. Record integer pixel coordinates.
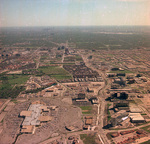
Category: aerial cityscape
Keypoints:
(74, 75)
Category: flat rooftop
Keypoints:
(28, 129)
(26, 113)
(136, 117)
(33, 118)
(44, 118)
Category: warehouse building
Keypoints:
(34, 117)
(136, 118)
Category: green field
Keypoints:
(118, 71)
(55, 72)
(11, 85)
(17, 79)
(89, 108)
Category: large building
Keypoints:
(34, 117)
(119, 117)
(136, 118)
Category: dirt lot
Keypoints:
(2, 115)
(2, 101)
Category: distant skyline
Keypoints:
(17, 13)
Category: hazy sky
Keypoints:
(74, 12)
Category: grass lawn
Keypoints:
(87, 109)
(88, 139)
(55, 72)
(147, 128)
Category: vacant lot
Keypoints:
(88, 139)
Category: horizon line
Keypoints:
(70, 26)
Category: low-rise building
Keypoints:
(136, 118)
(28, 129)
(94, 100)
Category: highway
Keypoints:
(102, 103)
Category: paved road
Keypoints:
(4, 105)
(66, 136)
(101, 97)
(137, 127)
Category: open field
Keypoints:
(12, 85)
(17, 79)
(86, 109)
(88, 138)
(55, 72)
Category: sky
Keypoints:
(17, 13)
